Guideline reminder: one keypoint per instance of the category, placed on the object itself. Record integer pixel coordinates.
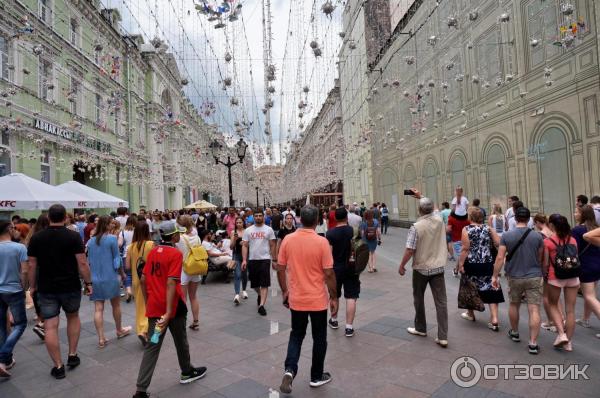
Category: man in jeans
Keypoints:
(524, 273)
(426, 245)
(56, 259)
(13, 281)
(165, 308)
(307, 259)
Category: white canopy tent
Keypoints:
(21, 192)
(99, 198)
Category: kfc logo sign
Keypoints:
(81, 205)
(8, 203)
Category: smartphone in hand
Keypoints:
(408, 192)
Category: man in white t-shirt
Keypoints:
(258, 252)
(122, 216)
(510, 212)
(595, 202)
(354, 219)
(460, 203)
(215, 255)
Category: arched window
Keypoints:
(553, 161)
(410, 180)
(430, 174)
(496, 176)
(388, 187)
(457, 172)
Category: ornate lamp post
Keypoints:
(215, 150)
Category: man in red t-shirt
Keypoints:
(165, 308)
(455, 227)
(331, 222)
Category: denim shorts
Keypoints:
(51, 303)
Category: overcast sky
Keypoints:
(200, 51)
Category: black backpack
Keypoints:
(566, 262)
(359, 255)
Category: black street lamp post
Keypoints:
(257, 203)
(215, 149)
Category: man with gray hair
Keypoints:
(426, 245)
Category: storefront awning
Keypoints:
(99, 198)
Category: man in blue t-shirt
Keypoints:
(13, 280)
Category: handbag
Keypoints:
(141, 263)
(468, 295)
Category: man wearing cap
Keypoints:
(165, 308)
(525, 249)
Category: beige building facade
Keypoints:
(495, 96)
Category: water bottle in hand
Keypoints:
(156, 335)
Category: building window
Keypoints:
(457, 170)
(551, 150)
(488, 58)
(74, 32)
(45, 11)
(3, 58)
(45, 166)
(430, 174)
(73, 96)
(542, 24)
(4, 154)
(118, 176)
(496, 176)
(45, 79)
(98, 108)
(117, 122)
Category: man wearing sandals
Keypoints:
(165, 307)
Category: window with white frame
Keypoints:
(542, 25)
(4, 51)
(74, 32)
(45, 79)
(5, 154)
(98, 108)
(118, 176)
(45, 166)
(73, 96)
(45, 11)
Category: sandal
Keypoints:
(195, 325)
(124, 332)
(143, 340)
(102, 344)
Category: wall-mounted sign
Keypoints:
(73, 136)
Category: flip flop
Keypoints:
(125, 332)
(195, 325)
(102, 344)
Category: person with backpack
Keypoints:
(426, 246)
(385, 218)
(189, 283)
(369, 232)
(562, 268)
(137, 254)
(340, 239)
(521, 251)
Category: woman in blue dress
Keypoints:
(105, 264)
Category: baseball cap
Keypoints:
(170, 228)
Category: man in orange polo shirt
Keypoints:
(307, 259)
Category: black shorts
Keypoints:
(349, 281)
(259, 273)
(51, 303)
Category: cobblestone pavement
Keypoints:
(245, 352)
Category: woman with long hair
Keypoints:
(287, 228)
(137, 253)
(322, 223)
(41, 224)
(589, 258)
(189, 283)
(70, 223)
(127, 236)
(562, 236)
(239, 275)
(496, 219)
(105, 265)
(476, 262)
(369, 232)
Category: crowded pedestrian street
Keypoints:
(244, 352)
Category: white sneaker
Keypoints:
(465, 315)
(236, 299)
(415, 332)
(441, 343)
(583, 322)
(244, 295)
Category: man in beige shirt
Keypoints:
(426, 245)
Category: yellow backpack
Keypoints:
(196, 261)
